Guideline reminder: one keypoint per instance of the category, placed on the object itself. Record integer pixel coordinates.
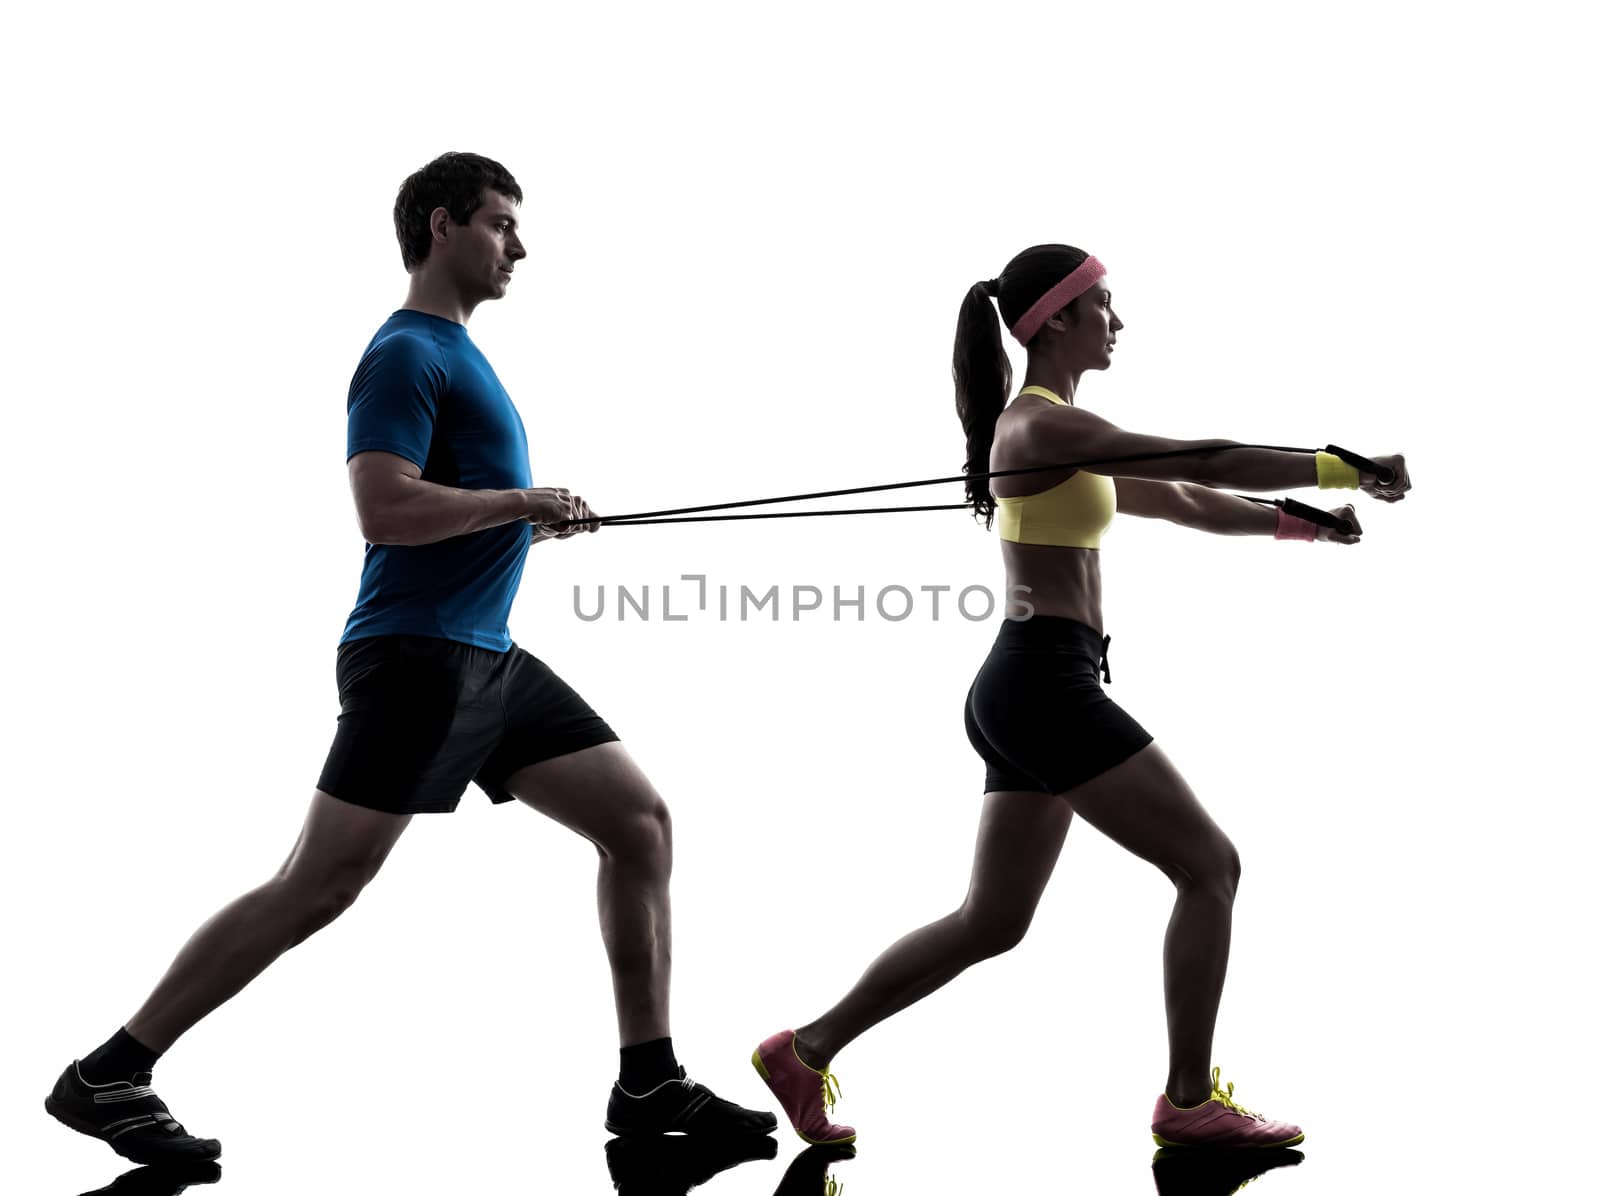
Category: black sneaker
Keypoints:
(808, 1174)
(657, 1165)
(128, 1117)
(162, 1179)
(681, 1105)
(1193, 1171)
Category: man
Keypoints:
(433, 693)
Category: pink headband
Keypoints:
(1057, 297)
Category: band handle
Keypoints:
(1316, 514)
(1385, 474)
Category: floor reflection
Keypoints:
(167, 1179)
(672, 1165)
(1215, 1172)
(669, 1165)
(808, 1174)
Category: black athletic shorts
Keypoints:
(1036, 712)
(421, 716)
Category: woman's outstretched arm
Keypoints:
(1205, 509)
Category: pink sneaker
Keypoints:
(1219, 1122)
(804, 1092)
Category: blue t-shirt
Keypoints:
(425, 392)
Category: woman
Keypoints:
(1054, 744)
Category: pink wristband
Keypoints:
(1292, 527)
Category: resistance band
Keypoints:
(696, 514)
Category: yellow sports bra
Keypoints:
(1072, 514)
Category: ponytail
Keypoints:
(982, 374)
(981, 368)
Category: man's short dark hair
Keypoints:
(455, 182)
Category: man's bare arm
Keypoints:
(395, 506)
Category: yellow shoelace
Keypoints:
(1226, 1098)
(830, 1090)
(832, 1187)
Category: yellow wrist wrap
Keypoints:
(1335, 474)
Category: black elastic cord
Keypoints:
(1309, 514)
(947, 506)
(640, 516)
(674, 514)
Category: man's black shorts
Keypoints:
(421, 716)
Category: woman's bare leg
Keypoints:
(1019, 838)
(1147, 807)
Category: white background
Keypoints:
(749, 233)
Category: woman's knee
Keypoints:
(1228, 867)
(992, 932)
(1216, 872)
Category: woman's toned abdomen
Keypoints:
(1064, 582)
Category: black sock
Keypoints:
(120, 1057)
(646, 1064)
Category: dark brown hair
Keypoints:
(455, 182)
(981, 368)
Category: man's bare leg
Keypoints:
(602, 794)
(105, 1094)
(340, 848)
